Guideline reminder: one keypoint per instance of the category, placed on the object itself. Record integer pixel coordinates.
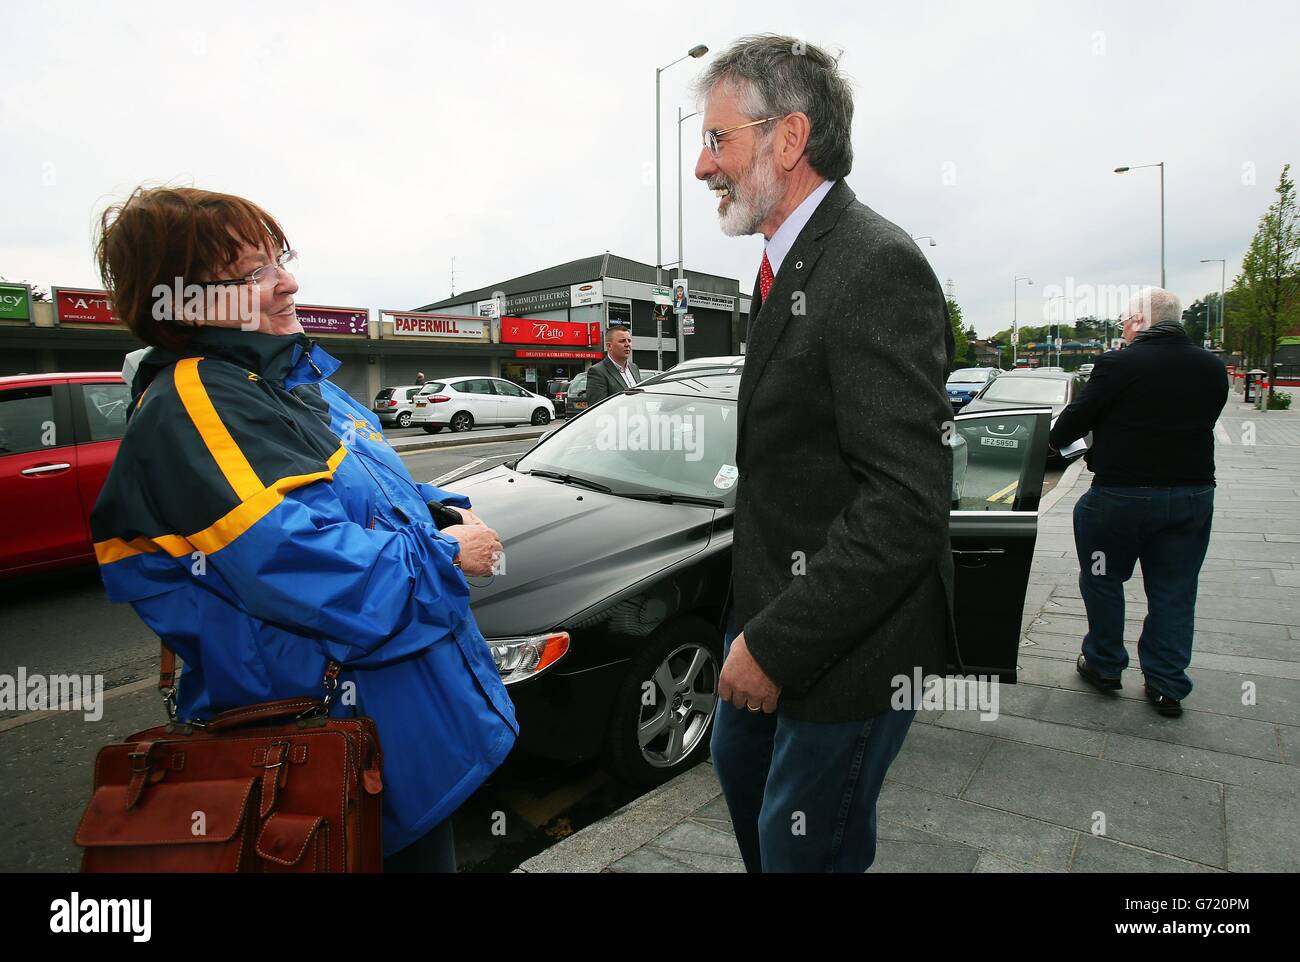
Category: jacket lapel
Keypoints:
(766, 324)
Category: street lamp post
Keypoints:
(1223, 277)
(699, 50)
(1057, 325)
(1015, 317)
(681, 256)
(1161, 165)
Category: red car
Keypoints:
(58, 436)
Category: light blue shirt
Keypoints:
(786, 234)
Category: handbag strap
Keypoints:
(167, 680)
(167, 686)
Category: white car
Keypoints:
(461, 403)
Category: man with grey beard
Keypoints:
(842, 572)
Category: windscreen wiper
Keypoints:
(670, 498)
(573, 479)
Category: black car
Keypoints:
(1028, 388)
(606, 618)
(557, 390)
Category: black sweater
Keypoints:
(1151, 409)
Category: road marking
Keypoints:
(1008, 490)
(443, 478)
(1221, 433)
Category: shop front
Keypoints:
(546, 350)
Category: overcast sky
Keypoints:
(390, 137)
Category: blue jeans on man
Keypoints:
(1167, 529)
(802, 795)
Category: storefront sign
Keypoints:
(580, 355)
(15, 302)
(436, 325)
(538, 301)
(719, 302)
(527, 330)
(580, 294)
(334, 320)
(76, 306)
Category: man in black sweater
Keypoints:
(1151, 409)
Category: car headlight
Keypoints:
(520, 658)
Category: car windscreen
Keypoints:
(647, 443)
(968, 376)
(1033, 390)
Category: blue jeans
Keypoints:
(1168, 530)
(433, 852)
(802, 795)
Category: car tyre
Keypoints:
(432, 428)
(462, 421)
(541, 416)
(687, 655)
(404, 419)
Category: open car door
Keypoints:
(998, 462)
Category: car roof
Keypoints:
(55, 377)
(1032, 372)
(715, 383)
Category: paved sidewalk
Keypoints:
(1215, 790)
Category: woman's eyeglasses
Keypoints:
(287, 263)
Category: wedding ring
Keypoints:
(752, 707)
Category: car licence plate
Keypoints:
(1000, 442)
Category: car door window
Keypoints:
(998, 463)
(107, 406)
(27, 420)
(996, 459)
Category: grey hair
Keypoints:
(774, 76)
(1155, 305)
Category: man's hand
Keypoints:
(743, 682)
(480, 548)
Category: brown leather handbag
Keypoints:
(273, 787)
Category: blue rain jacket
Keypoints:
(259, 523)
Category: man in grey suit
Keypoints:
(842, 570)
(615, 373)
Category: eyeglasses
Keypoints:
(711, 136)
(287, 263)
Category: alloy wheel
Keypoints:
(685, 689)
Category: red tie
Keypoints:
(765, 276)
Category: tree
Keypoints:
(1270, 274)
(971, 337)
(958, 332)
